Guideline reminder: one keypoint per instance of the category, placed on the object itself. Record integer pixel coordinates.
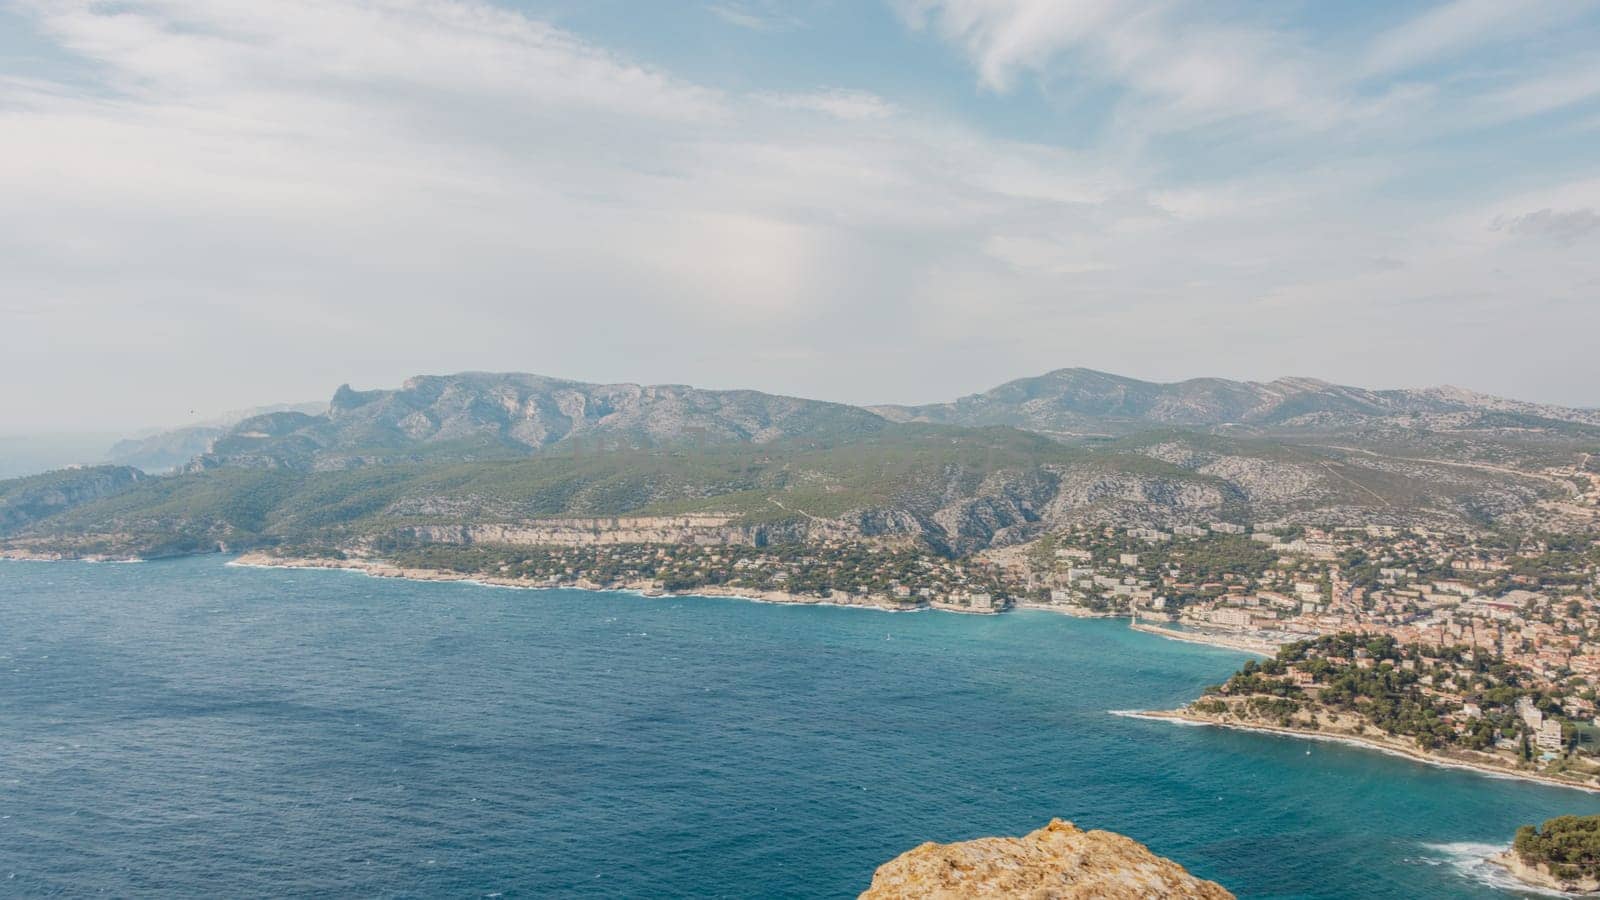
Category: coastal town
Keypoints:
(1485, 645)
(1527, 597)
(1529, 600)
(900, 450)
(838, 572)
(1473, 649)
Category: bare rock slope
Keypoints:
(1057, 862)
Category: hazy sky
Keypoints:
(209, 204)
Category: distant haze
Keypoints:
(27, 454)
(212, 204)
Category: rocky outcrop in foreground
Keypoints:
(1057, 862)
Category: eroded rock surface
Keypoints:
(1057, 862)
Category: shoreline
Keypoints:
(14, 555)
(378, 569)
(1076, 612)
(1390, 747)
(1538, 877)
(1246, 645)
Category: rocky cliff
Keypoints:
(1057, 862)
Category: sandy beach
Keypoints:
(1248, 645)
(1076, 612)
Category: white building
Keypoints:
(1548, 738)
(1236, 617)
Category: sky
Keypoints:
(211, 204)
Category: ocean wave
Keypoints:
(1470, 860)
(86, 561)
(1148, 717)
(235, 564)
(490, 584)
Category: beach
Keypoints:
(1230, 642)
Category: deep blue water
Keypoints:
(187, 728)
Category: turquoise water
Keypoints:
(187, 728)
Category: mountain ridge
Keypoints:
(498, 449)
(1069, 398)
(474, 415)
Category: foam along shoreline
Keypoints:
(1539, 879)
(1392, 748)
(1247, 645)
(1481, 863)
(377, 569)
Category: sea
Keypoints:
(192, 729)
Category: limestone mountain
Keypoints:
(1077, 401)
(479, 415)
(450, 454)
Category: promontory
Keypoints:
(1057, 862)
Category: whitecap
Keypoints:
(1150, 717)
(1470, 860)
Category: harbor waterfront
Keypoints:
(186, 726)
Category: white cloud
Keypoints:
(1544, 92)
(1011, 35)
(838, 102)
(1197, 70)
(1560, 225)
(1458, 25)
(243, 202)
(1554, 224)
(210, 50)
(1040, 254)
(1180, 66)
(755, 17)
